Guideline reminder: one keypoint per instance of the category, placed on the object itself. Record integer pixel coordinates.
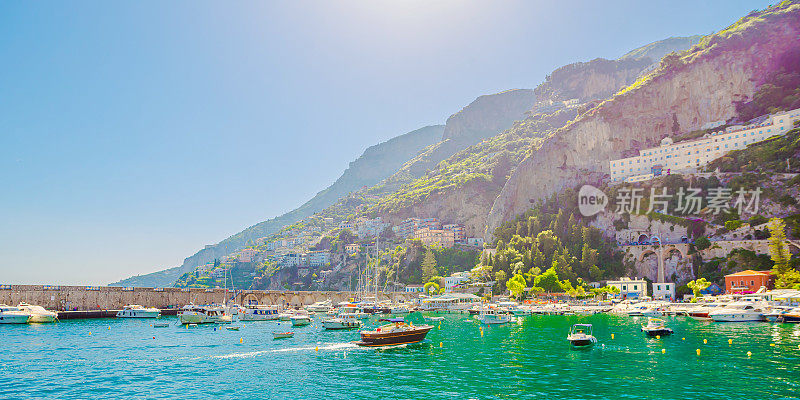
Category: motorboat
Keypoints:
(400, 309)
(738, 311)
(350, 310)
(493, 317)
(193, 314)
(301, 320)
(777, 313)
(438, 318)
(396, 332)
(13, 315)
(137, 311)
(514, 308)
(38, 313)
(161, 325)
(792, 316)
(341, 323)
(656, 327)
(580, 335)
(258, 313)
(282, 335)
(320, 306)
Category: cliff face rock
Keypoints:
(596, 79)
(375, 164)
(489, 114)
(656, 50)
(700, 87)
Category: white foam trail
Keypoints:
(334, 346)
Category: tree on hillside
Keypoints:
(702, 243)
(431, 288)
(697, 286)
(786, 277)
(429, 266)
(516, 285)
(548, 281)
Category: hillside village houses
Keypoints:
(688, 156)
(630, 288)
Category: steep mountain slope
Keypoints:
(375, 164)
(657, 50)
(485, 117)
(698, 86)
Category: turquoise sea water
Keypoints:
(529, 359)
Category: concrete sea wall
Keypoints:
(63, 298)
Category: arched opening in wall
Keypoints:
(642, 238)
(250, 299)
(648, 265)
(655, 240)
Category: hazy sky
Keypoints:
(134, 133)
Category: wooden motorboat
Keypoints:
(580, 335)
(282, 335)
(396, 332)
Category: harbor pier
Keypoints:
(94, 298)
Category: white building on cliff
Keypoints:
(692, 154)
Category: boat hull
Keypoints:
(336, 325)
(14, 318)
(301, 321)
(372, 339)
(138, 314)
(42, 318)
(737, 317)
(658, 332)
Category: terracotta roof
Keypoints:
(750, 272)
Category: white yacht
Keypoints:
(258, 313)
(739, 311)
(137, 311)
(320, 306)
(192, 314)
(343, 321)
(13, 315)
(301, 320)
(38, 313)
(351, 311)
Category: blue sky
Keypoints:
(134, 133)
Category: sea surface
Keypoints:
(125, 358)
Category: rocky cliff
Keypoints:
(696, 87)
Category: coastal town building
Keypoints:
(351, 248)
(630, 288)
(246, 255)
(317, 258)
(454, 280)
(688, 156)
(664, 291)
(435, 237)
(370, 227)
(291, 259)
(414, 289)
(409, 226)
(459, 234)
(475, 241)
(747, 281)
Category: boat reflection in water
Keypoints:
(396, 332)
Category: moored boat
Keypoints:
(138, 311)
(396, 332)
(300, 320)
(13, 315)
(580, 335)
(656, 327)
(38, 313)
(740, 311)
(258, 313)
(193, 314)
(282, 335)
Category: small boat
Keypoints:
(282, 335)
(739, 311)
(13, 315)
(301, 320)
(580, 335)
(161, 325)
(192, 314)
(232, 328)
(341, 323)
(396, 332)
(777, 313)
(493, 317)
(258, 313)
(137, 311)
(38, 313)
(434, 318)
(656, 327)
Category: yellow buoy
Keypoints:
(658, 336)
(749, 354)
(440, 344)
(730, 341)
(663, 351)
(683, 338)
(90, 333)
(612, 335)
(772, 345)
(705, 341)
(109, 328)
(241, 340)
(698, 352)
(316, 348)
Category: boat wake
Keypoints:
(251, 354)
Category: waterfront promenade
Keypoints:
(84, 298)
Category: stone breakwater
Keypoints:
(84, 298)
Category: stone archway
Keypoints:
(648, 262)
(249, 299)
